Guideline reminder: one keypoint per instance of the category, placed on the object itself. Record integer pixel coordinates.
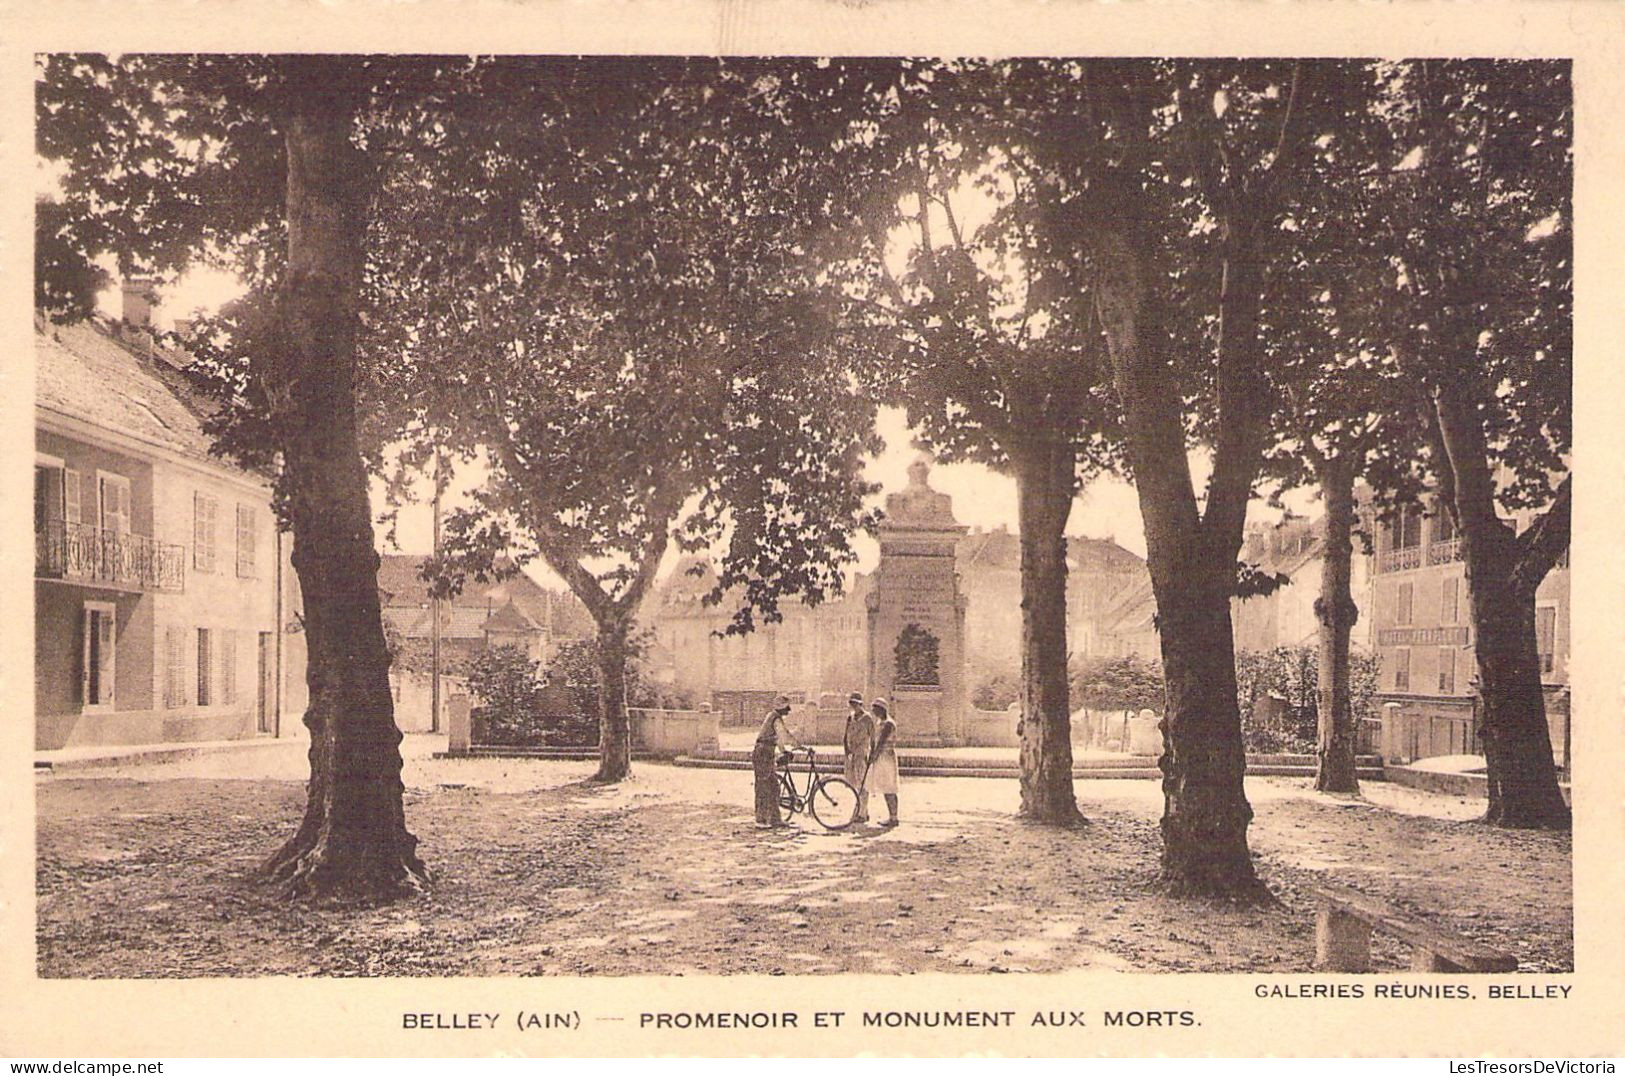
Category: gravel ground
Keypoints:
(144, 871)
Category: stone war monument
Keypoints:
(917, 616)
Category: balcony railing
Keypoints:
(77, 552)
(1444, 552)
(1398, 560)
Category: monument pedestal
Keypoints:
(917, 617)
(918, 713)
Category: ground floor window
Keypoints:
(99, 662)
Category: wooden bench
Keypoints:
(1343, 937)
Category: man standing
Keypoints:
(763, 759)
(859, 741)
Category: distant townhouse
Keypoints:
(1099, 572)
(1296, 550)
(162, 600)
(1424, 638)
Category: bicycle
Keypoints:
(832, 801)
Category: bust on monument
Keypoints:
(919, 506)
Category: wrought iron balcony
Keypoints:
(79, 553)
(1398, 560)
(1444, 552)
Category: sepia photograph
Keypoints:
(604, 517)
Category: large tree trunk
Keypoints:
(1193, 572)
(1044, 483)
(614, 724)
(1337, 614)
(1204, 761)
(1503, 571)
(1517, 739)
(353, 842)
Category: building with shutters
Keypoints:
(1422, 632)
(164, 610)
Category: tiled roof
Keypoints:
(1134, 609)
(456, 622)
(1001, 550)
(510, 618)
(85, 371)
(560, 613)
(987, 550)
(682, 590)
(1101, 554)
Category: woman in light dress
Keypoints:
(882, 775)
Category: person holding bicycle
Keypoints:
(882, 775)
(774, 734)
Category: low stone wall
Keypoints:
(992, 728)
(669, 733)
(1450, 784)
(1128, 733)
(414, 696)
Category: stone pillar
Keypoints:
(1392, 737)
(1342, 941)
(706, 727)
(1144, 737)
(459, 727)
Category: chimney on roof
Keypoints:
(140, 296)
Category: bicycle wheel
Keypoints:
(787, 794)
(834, 803)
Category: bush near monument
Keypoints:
(1277, 689)
(1126, 683)
(522, 706)
(997, 691)
(517, 709)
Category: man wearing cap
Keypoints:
(773, 734)
(859, 741)
(883, 759)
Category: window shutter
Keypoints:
(73, 507)
(203, 516)
(174, 667)
(228, 666)
(205, 668)
(87, 628)
(245, 540)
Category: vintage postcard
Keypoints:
(813, 528)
